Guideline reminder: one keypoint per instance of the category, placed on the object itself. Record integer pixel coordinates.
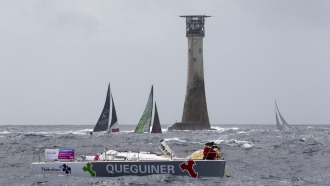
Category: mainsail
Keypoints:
(114, 121)
(156, 128)
(285, 124)
(145, 121)
(103, 122)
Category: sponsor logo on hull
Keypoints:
(188, 166)
(88, 168)
(63, 168)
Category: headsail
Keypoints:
(114, 121)
(278, 124)
(145, 121)
(156, 128)
(103, 122)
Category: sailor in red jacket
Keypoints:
(210, 151)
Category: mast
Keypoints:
(152, 103)
(108, 130)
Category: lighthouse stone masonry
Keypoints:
(195, 115)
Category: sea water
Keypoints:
(255, 154)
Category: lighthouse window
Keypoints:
(200, 50)
(189, 50)
(194, 59)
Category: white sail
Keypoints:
(285, 124)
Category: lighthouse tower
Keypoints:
(195, 115)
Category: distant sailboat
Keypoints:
(103, 122)
(284, 124)
(144, 124)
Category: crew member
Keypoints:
(105, 154)
(211, 151)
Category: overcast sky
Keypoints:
(58, 56)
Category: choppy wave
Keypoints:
(221, 129)
(255, 154)
(34, 135)
(174, 139)
(233, 142)
(5, 132)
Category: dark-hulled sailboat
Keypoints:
(102, 124)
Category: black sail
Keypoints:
(156, 128)
(114, 121)
(103, 122)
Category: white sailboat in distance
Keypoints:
(280, 126)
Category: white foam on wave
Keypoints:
(220, 129)
(5, 132)
(127, 131)
(233, 142)
(218, 141)
(246, 145)
(243, 132)
(79, 132)
(174, 139)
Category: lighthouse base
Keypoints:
(190, 126)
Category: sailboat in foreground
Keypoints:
(144, 124)
(280, 126)
(103, 122)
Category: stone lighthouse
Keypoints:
(195, 115)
